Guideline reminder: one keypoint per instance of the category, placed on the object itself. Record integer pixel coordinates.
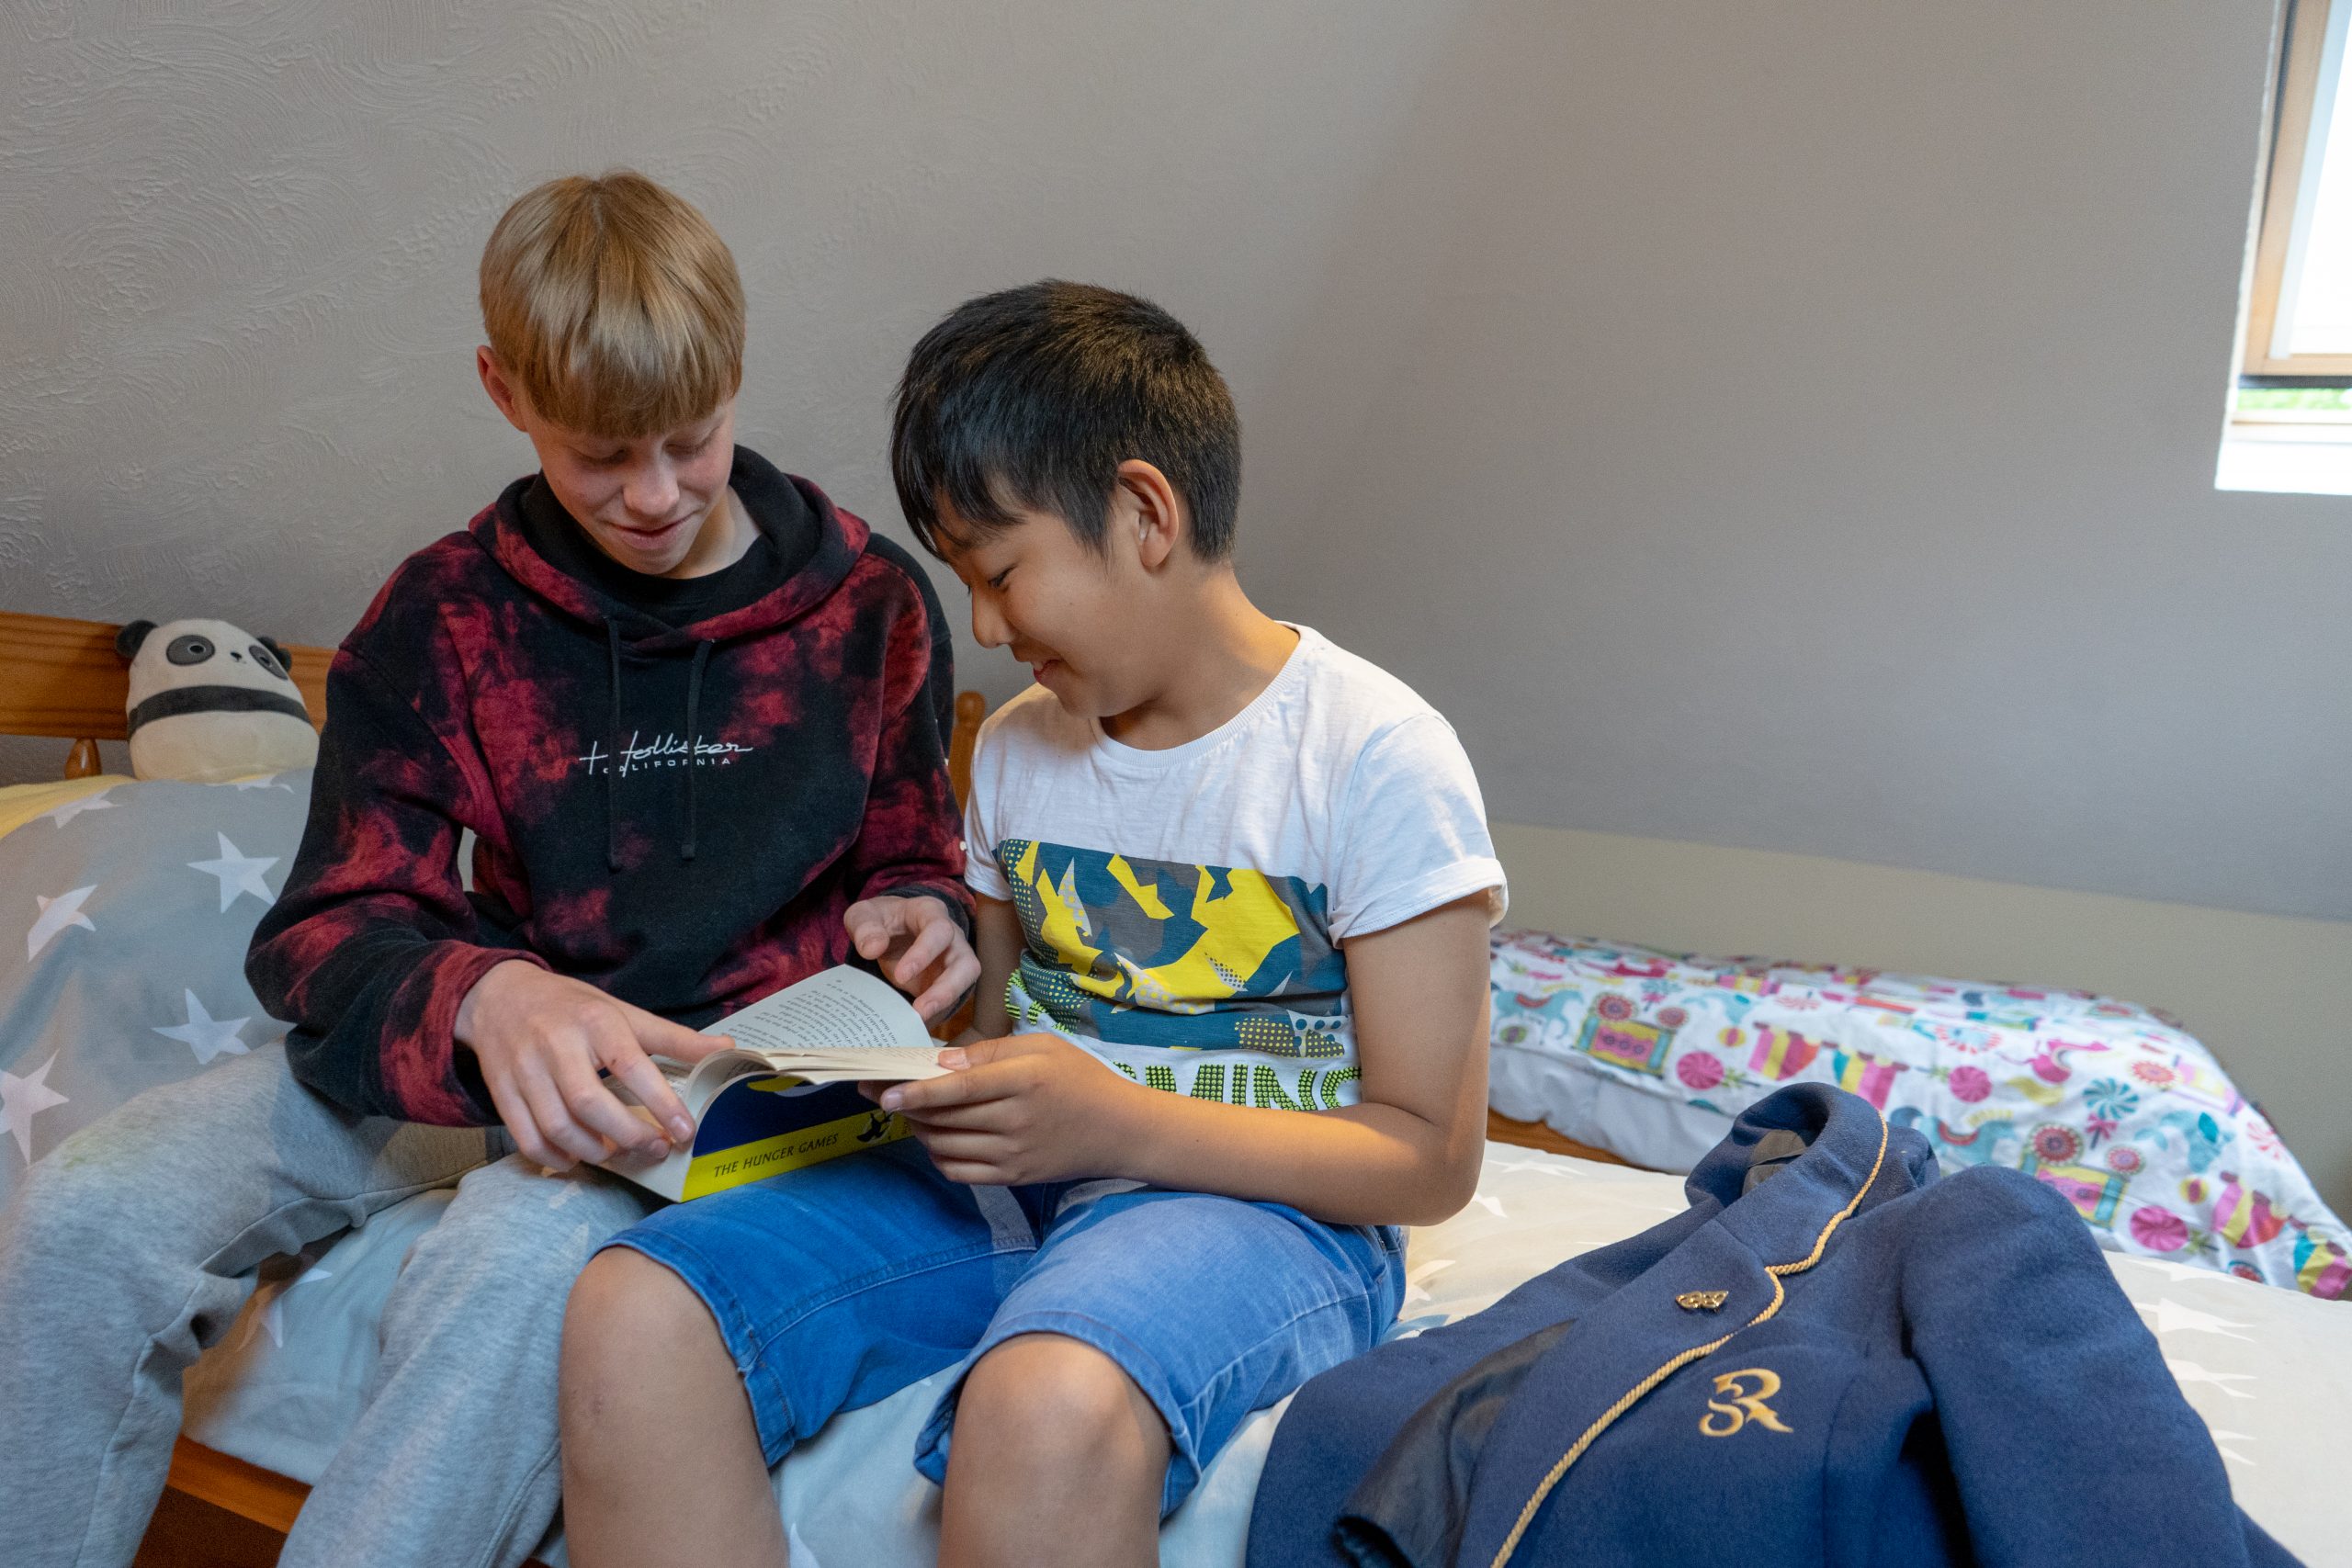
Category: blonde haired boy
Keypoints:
(694, 715)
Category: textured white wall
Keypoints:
(1793, 426)
(238, 239)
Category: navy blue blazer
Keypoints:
(1831, 1358)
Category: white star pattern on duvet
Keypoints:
(73, 808)
(2172, 1318)
(206, 1036)
(22, 1099)
(2220, 1437)
(56, 914)
(238, 873)
(2186, 1372)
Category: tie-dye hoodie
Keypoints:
(679, 816)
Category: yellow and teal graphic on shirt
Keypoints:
(1180, 974)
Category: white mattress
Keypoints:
(2268, 1369)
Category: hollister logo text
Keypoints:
(664, 751)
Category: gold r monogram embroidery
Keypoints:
(1745, 1393)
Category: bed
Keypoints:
(2270, 1368)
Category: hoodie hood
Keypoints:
(764, 489)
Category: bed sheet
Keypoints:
(1650, 1054)
(2269, 1371)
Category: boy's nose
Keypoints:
(652, 491)
(987, 627)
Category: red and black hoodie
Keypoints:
(679, 814)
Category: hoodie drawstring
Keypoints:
(694, 719)
(612, 768)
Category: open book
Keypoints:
(785, 1096)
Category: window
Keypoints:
(2290, 425)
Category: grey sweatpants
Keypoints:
(133, 1244)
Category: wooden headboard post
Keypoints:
(971, 708)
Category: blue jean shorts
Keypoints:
(838, 1285)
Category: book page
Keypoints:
(841, 1009)
(881, 1064)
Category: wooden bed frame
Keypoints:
(63, 678)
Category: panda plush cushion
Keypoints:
(210, 702)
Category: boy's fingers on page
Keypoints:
(513, 1111)
(634, 1068)
(604, 1116)
(872, 922)
(567, 1137)
(931, 1097)
(930, 944)
(995, 1114)
(947, 988)
(666, 1037)
(592, 1104)
(1004, 1048)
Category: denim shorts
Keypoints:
(837, 1285)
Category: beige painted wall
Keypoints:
(2272, 995)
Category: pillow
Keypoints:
(123, 965)
(1649, 1055)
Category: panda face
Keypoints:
(201, 653)
(193, 647)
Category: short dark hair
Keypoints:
(1033, 396)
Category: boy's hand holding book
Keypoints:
(1019, 1109)
(543, 1040)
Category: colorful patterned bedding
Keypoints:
(2115, 1106)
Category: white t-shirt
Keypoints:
(1184, 908)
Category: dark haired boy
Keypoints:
(1234, 885)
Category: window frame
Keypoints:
(2306, 76)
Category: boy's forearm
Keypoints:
(1365, 1164)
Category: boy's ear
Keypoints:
(1148, 504)
(127, 640)
(502, 391)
